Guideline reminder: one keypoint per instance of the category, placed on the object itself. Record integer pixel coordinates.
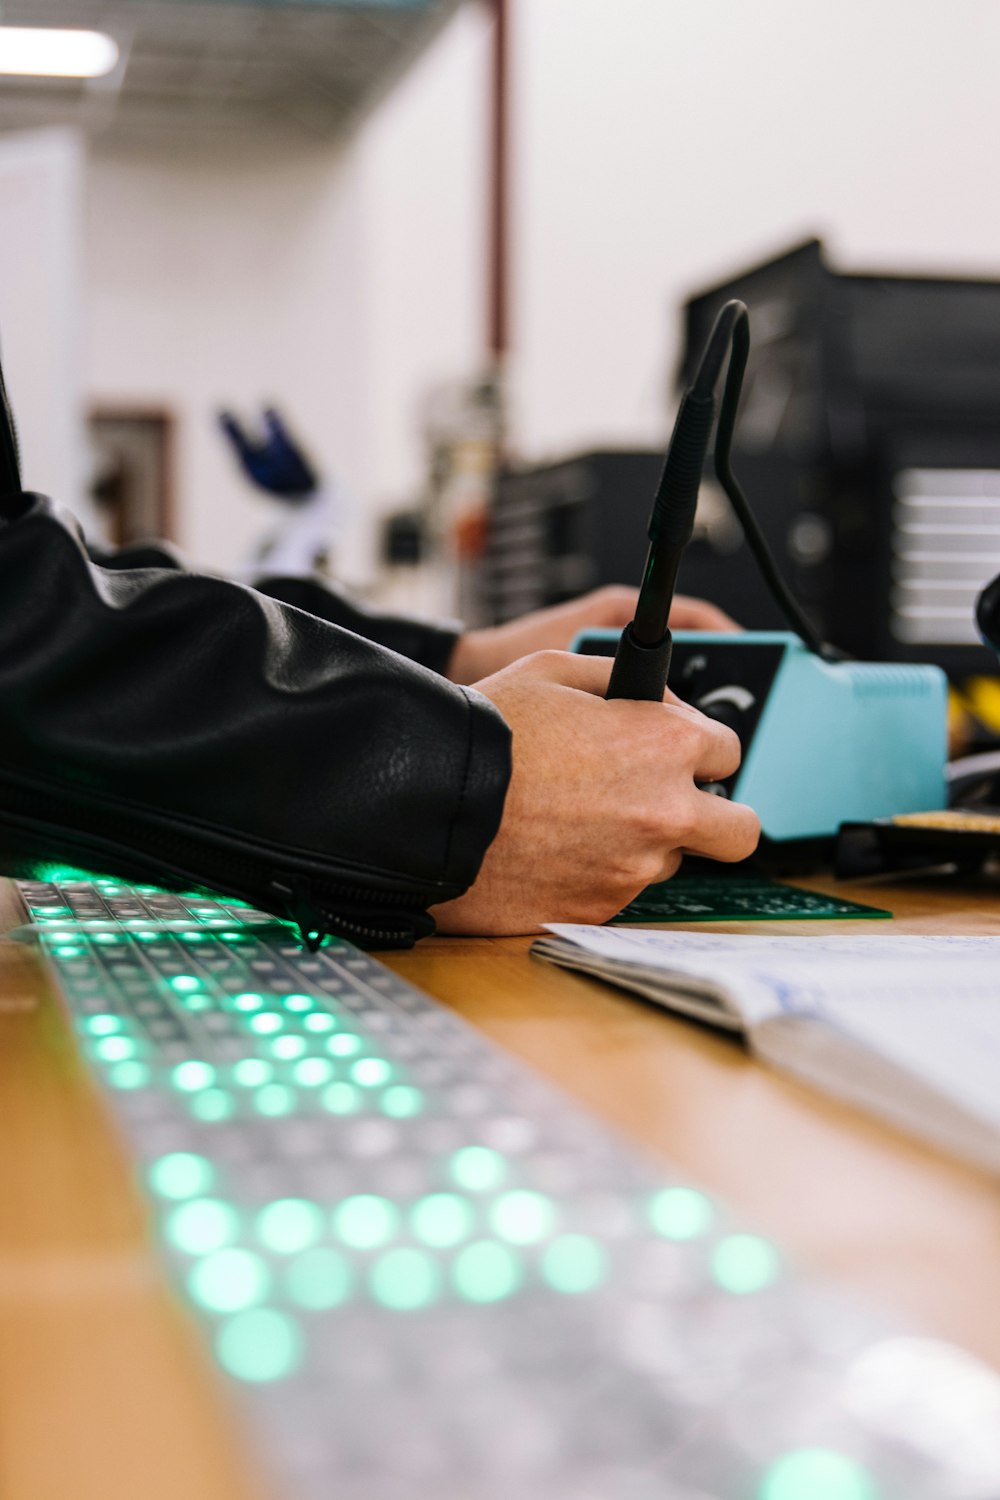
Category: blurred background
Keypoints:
(460, 248)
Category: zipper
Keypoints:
(101, 836)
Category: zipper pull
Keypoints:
(296, 894)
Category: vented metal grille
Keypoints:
(946, 547)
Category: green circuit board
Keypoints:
(737, 898)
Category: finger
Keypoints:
(697, 614)
(671, 864)
(723, 830)
(716, 751)
(613, 605)
(588, 674)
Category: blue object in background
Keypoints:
(273, 461)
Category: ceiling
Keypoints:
(210, 68)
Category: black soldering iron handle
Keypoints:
(640, 672)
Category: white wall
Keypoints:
(228, 277)
(421, 159)
(337, 284)
(40, 210)
(659, 145)
(663, 144)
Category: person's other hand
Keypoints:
(274, 461)
(480, 653)
(602, 799)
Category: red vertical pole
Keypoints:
(498, 248)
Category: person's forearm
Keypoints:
(176, 721)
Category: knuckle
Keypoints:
(687, 732)
(543, 663)
(745, 832)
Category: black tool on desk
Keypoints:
(642, 660)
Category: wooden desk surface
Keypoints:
(105, 1393)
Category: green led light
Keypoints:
(62, 874)
(319, 1021)
(201, 1226)
(816, 1474)
(193, 937)
(365, 1220)
(266, 1023)
(298, 1003)
(289, 1225)
(522, 1217)
(260, 1345)
(248, 1001)
(442, 1219)
(190, 1076)
(129, 1075)
(401, 1101)
(288, 1047)
(231, 937)
(251, 1072)
(115, 1048)
(103, 1025)
(230, 1280)
(681, 1213)
(485, 1272)
(146, 937)
(197, 1001)
(404, 1279)
(344, 1045)
(371, 1072)
(319, 1279)
(212, 1104)
(68, 951)
(58, 937)
(574, 1263)
(185, 984)
(744, 1263)
(274, 1099)
(342, 1099)
(181, 1174)
(313, 1072)
(478, 1169)
(105, 937)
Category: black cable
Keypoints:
(642, 660)
(780, 592)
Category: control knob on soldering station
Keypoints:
(727, 705)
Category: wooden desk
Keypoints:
(104, 1391)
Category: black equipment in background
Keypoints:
(869, 443)
(562, 528)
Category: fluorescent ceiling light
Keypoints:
(48, 52)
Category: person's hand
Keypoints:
(480, 653)
(602, 799)
(274, 461)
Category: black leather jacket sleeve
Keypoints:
(430, 644)
(183, 729)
